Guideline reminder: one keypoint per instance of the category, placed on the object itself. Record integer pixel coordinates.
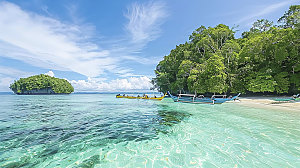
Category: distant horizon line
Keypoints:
(97, 92)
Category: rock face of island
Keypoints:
(41, 84)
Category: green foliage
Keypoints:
(291, 18)
(264, 59)
(261, 82)
(41, 82)
(261, 25)
(282, 81)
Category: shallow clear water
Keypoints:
(98, 130)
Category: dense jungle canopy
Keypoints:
(38, 82)
(264, 60)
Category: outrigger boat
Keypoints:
(294, 98)
(141, 97)
(191, 98)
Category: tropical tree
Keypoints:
(265, 59)
(42, 81)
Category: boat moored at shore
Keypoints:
(191, 98)
(293, 98)
(141, 97)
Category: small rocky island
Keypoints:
(41, 84)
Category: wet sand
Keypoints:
(262, 102)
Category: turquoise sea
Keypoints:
(98, 130)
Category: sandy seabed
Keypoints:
(268, 103)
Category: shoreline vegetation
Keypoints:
(265, 60)
(260, 102)
(41, 85)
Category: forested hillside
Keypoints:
(264, 60)
(38, 82)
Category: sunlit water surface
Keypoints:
(98, 130)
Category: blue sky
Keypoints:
(110, 45)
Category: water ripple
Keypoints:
(101, 131)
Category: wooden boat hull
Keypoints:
(146, 98)
(295, 98)
(204, 100)
(153, 98)
(284, 100)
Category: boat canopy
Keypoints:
(218, 96)
(192, 98)
(190, 95)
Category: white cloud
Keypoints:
(8, 75)
(7, 71)
(145, 20)
(50, 73)
(48, 43)
(136, 83)
(264, 11)
(5, 83)
(129, 84)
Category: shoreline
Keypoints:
(268, 103)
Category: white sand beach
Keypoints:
(267, 102)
